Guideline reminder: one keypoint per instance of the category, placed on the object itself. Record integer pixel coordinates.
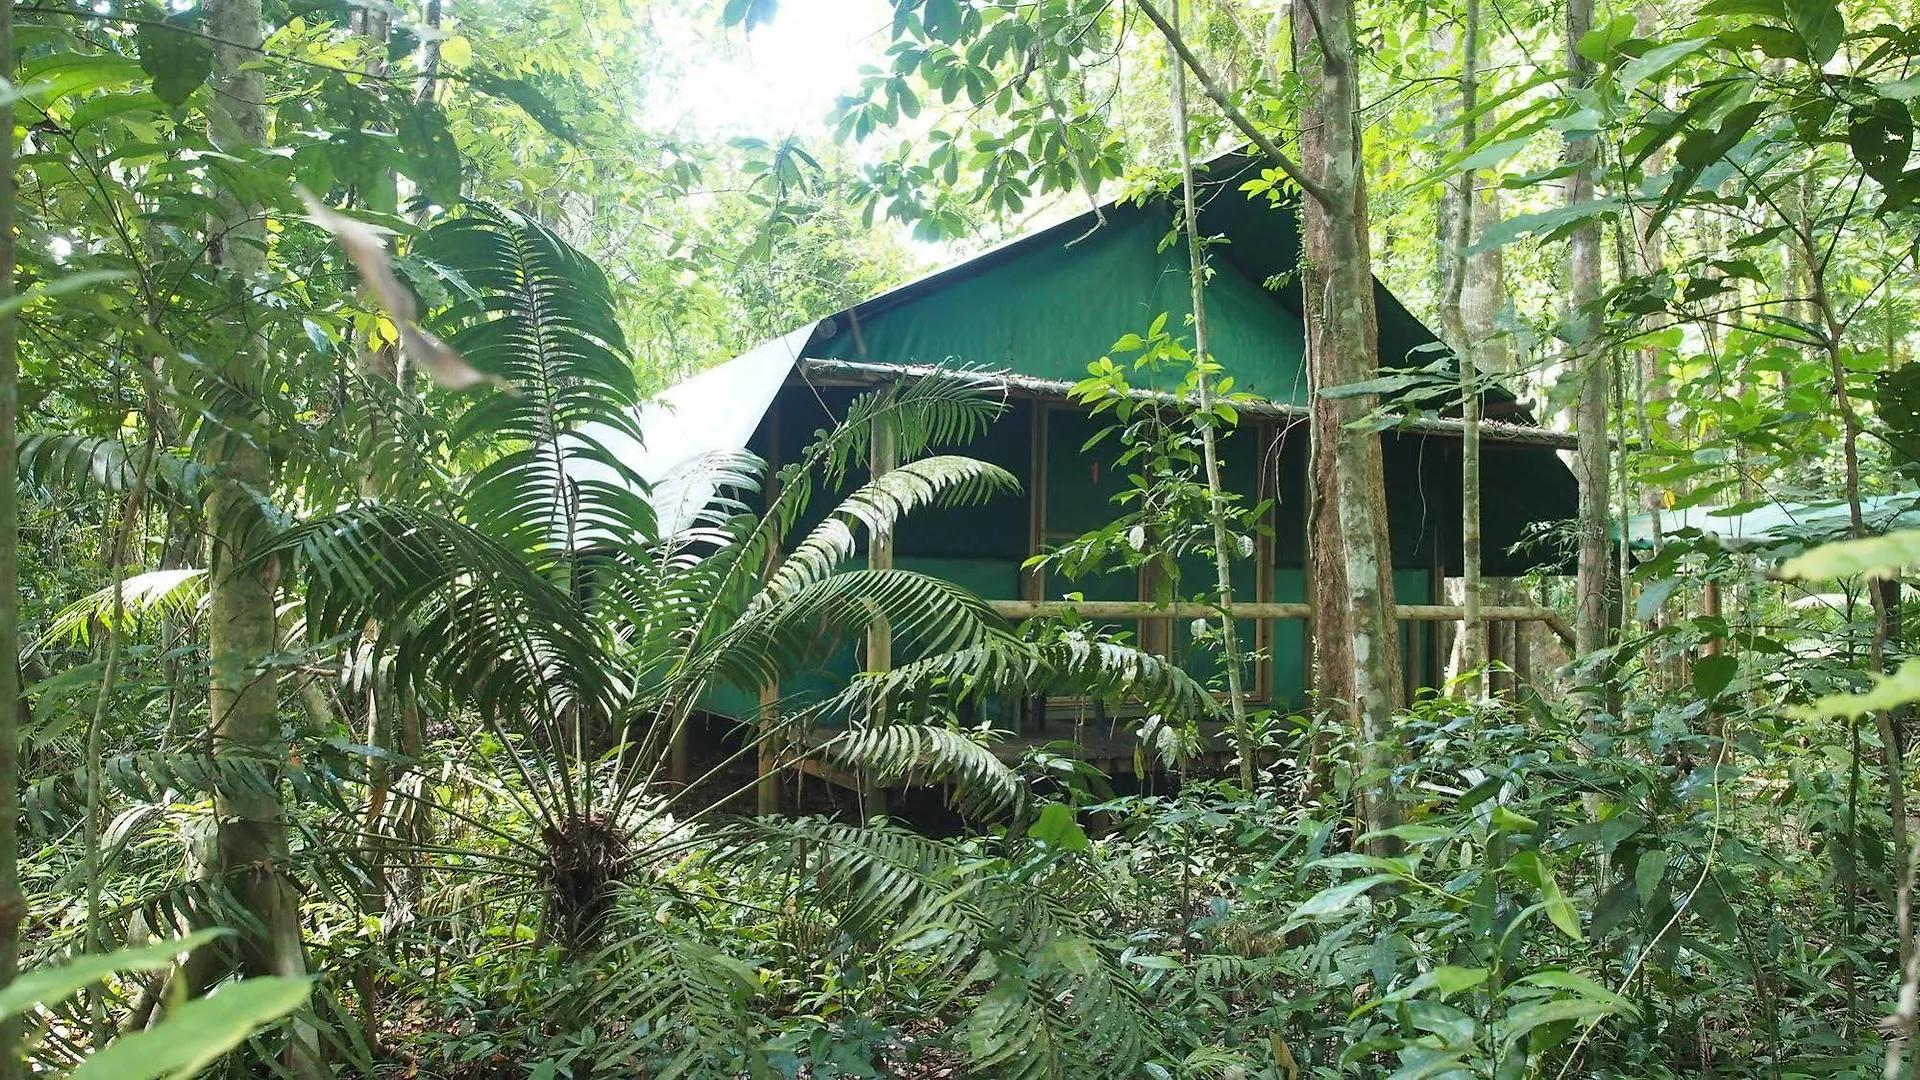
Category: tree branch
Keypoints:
(1239, 119)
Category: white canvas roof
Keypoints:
(714, 412)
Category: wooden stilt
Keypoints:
(873, 796)
(679, 755)
(767, 785)
(767, 730)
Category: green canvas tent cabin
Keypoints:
(1038, 310)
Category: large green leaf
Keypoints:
(1820, 25)
(177, 57)
(1337, 898)
(1880, 134)
(47, 986)
(1712, 674)
(1529, 867)
(198, 1033)
(1545, 223)
(1874, 556)
(430, 157)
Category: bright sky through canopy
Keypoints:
(783, 78)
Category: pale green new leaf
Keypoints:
(1877, 556)
(1888, 692)
(46, 986)
(198, 1033)
(1527, 1017)
(180, 594)
(1579, 985)
(1337, 898)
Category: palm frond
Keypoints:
(931, 754)
(1055, 1003)
(1000, 664)
(537, 313)
(913, 415)
(177, 594)
(70, 462)
(683, 1005)
(927, 616)
(461, 613)
(878, 506)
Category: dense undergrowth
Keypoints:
(1667, 903)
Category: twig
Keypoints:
(1239, 119)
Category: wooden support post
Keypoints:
(873, 797)
(679, 756)
(767, 784)
(767, 730)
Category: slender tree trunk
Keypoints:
(243, 716)
(1460, 220)
(1589, 358)
(1342, 348)
(1833, 332)
(1209, 438)
(13, 905)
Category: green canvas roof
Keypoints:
(1048, 304)
(1043, 307)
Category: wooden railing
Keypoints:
(1147, 609)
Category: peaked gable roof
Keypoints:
(1047, 304)
(1041, 308)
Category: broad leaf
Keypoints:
(198, 1033)
(47, 986)
(1713, 674)
(178, 60)
(1337, 898)
(1874, 556)
(1880, 135)
(1528, 867)
(1819, 24)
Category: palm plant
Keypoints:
(582, 643)
(567, 642)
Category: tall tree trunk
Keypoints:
(250, 850)
(1209, 438)
(1460, 222)
(1350, 533)
(13, 905)
(1589, 358)
(1833, 334)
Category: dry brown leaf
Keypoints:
(368, 253)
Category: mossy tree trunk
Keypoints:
(250, 843)
(13, 905)
(1356, 638)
